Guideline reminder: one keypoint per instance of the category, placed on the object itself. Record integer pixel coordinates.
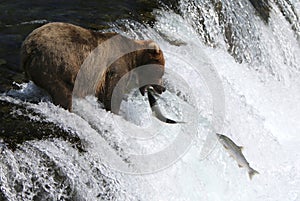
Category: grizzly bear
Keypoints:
(53, 54)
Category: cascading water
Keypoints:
(258, 66)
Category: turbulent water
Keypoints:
(227, 71)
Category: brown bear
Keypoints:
(53, 54)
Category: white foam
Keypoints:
(262, 114)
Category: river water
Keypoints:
(230, 68)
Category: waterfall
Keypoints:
(231, 67)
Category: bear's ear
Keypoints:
(154, 46)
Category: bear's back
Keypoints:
(61, 48)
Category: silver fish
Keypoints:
(155, 108)
(236, 152)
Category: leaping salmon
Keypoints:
(236, 152)
(155, 108)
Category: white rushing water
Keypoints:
(261, 112)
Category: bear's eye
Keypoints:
(111, 73)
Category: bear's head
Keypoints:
(152, 57)
(145, 64)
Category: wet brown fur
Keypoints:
(52, 55)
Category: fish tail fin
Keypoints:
(252, 172)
